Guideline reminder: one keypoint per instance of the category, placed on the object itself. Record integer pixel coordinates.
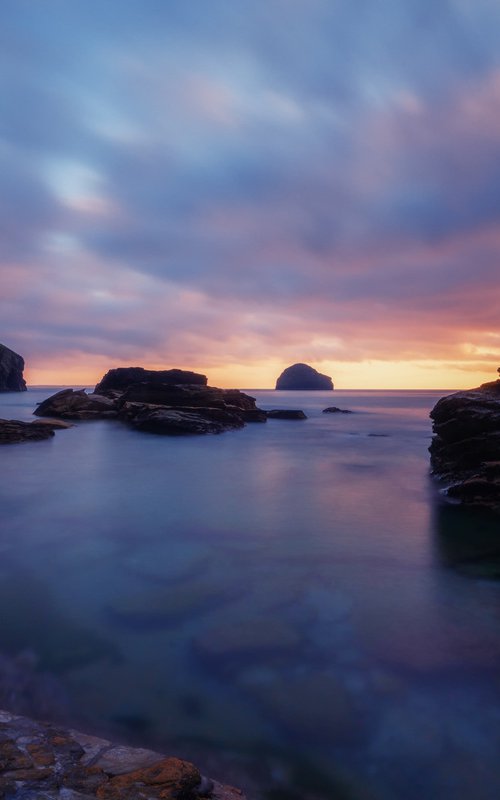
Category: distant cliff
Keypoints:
(302, 376)
(11, 371)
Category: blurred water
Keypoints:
(278, 603)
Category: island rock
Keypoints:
(123, 377)
(465, 450)
(304, 377)
(11, 371)
(157, 407)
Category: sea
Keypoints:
(293, 606)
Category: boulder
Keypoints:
(302, 376)
(175, 422)
(13, 430)
(122, 377)
(286, 413)
(11, 371)
(335, 410)
(77, 404)
(465, 450)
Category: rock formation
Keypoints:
(11, 371)
(122, 377)
(302, 376)
(44, 760)
(465, 450)
(335, 410)
(13, 430)
(155, 406)
(286, 413)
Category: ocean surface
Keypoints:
(291, 605)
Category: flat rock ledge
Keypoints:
(13, 431)
(43, 760)
(465, 450)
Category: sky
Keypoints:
(232, 186)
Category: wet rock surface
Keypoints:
(12, 431)
(286, 413)
(164, 408)
(43, 760)
(335, 410)
(303, 377)
(11, 371)
(465, 450)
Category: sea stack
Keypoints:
(11, 371)
(303, 377)
(465, 450)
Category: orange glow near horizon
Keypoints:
(374, 374)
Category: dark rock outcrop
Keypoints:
(335, 410)
(302, 376)
(13, 430)
(77, 404)
(465, 450)
(123, 377)
(164, 408)
(286, 413)
(11, 371)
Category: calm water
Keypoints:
(281, 604)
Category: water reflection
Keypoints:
(468, 540)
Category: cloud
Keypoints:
(188, 183)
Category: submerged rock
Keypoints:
(335, 410)
(465, 450)
(11, 371)
(302, 376)
(286, 413)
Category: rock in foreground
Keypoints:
(13, 430)
(302, 376)
(11, 371)
(465, 450)
(40, 760)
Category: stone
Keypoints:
(12, 431)
(123, 377)
(465, 450)
(175, 422)
(286, 413)
(42, 760)
(11, 371)
(335, 410)
(303, 377)
(77, 404)
(168, 779)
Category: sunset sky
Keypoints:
(232, 186)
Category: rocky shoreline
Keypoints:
(465, 450)
(44, 760)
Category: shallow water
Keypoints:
(281, 604)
